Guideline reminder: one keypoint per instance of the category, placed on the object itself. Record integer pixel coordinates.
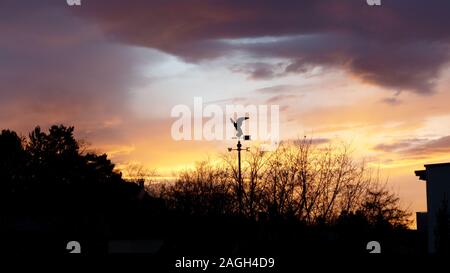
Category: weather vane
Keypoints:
(237, 125)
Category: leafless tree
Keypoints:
(301, 180)
(138, 173)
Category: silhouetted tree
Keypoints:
(13, 162)
(203, 191)
(299, 194)
(296, 181)
(382, 209)
(48, 182)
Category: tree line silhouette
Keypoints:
(297, 181)
(300, 197)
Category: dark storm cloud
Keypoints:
(411, 66)
(401, 45)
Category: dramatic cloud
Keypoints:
(112, 68)
(412, 66)
(58, 69)
(401, 45)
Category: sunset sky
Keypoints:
(375, 77)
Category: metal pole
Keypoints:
(239, 148)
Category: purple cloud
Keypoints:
(402, 45)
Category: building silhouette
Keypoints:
(435, 222)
